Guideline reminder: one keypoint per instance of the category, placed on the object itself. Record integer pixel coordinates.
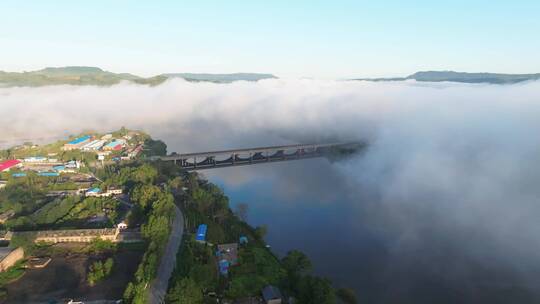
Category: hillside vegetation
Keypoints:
(80, 75)
(451, 76)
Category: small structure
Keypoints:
(201, 233)
(122, 225)
(38, 262)
(271, 295)
(72, 164)
(19, 174)
(2, 184)
(10, 256)
(227, 255)
(243, 240)
(9, 164)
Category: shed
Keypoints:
(201, 233)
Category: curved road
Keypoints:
(158, 287)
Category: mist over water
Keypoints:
(442, 207)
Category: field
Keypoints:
(65, 278)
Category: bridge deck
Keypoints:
(249, 150)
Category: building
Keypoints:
(94, 145)
(201, 233)
(135, 151)
(122, 225)
(115, 145)
(106, 137)
(77, 235)
(10, 256)
(227, 255)
(9, 164)
(77, 143)
(73, 164)
(20, 174)
(114, 191)
(48, 174)
(271, 295)
(96, 192)
(35, 159)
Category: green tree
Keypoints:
(346, 295)
(297, 264)
(186, 291)
(260, 232)
(316, 290)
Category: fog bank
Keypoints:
(451, 173)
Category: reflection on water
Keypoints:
(310, 205)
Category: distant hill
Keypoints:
(222, 78)
(81, 75)
(437, 76)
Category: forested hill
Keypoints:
(438, 76)
(81, 75)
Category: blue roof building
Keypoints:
(49, 174)
(21, 174)
(201, 233)
(94, 190)
(59, 168)
(79, 140)
(224, 267)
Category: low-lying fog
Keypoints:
(448, 187)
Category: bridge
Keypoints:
(250, 156)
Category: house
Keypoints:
(20, 174)
(227, 255)
(201, 233)
(10, 256)
(9, 164)
(271, 295)
(95, 192)
(106, 137)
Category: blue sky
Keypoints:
(321, 39)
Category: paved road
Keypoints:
(158, 287)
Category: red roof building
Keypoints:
(8, 164)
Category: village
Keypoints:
(93, 199)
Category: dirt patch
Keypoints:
(65, 278)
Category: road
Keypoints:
(158, 287)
